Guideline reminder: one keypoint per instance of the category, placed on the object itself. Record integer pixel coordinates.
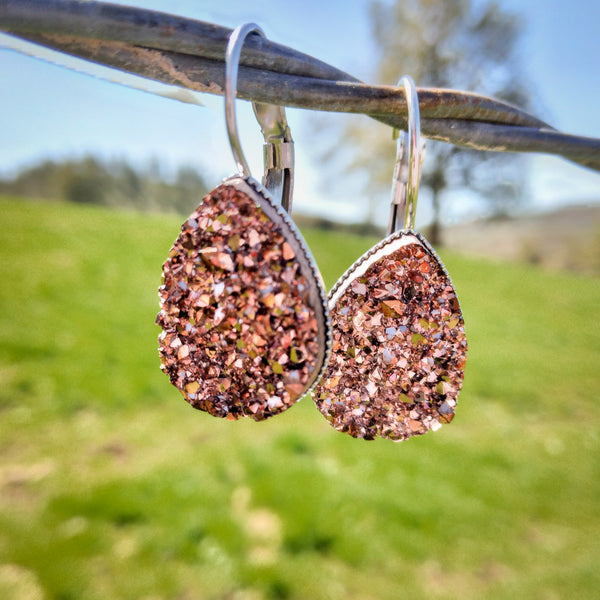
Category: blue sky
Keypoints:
(50, 111)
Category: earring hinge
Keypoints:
(400, 207)
(278, 152)
(279, 171)
(400, 182)
(278, 155)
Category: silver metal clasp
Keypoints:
(278, 152)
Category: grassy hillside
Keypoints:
(566, 238)
(111, 486)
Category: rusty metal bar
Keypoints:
(190, 54)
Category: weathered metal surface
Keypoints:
(190, 54)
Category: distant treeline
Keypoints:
(114, 183)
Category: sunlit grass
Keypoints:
(111, 486)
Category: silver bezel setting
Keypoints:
(389, 244)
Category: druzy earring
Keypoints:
(398, 338)
(245, 325)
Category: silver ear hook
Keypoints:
(409, 159)
(279, 146)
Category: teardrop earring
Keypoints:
(398, 339)
(243, 307)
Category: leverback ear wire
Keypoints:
(278, 150)
(409, 160)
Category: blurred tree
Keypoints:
(458, 44)
(189, 188)
(116, 183)
(85, 182)
(38, 181)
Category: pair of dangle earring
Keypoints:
(399, 345)
(246, 322)
(244, 317)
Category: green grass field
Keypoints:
(111, 486)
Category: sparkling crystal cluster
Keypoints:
(239, 336)
(399, 349)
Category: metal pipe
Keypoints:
(190, 54)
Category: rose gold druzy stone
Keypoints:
(239, 335)
(399, 345)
